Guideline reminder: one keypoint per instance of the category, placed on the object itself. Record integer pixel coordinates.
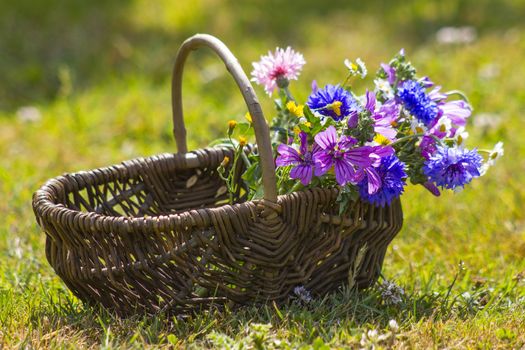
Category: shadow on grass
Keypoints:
(319, 318)
(44, 43)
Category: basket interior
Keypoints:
(152, 186)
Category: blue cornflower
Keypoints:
(333, 101)
(417, 102)
(453, 167)
(391, 172)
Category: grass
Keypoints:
(98, 74)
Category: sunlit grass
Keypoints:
(95, 114)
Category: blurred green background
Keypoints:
(85, 84)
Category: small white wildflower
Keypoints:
(383, 86)
(357, 68)
(372, 334)
(362, 67)
(393, 325)
(417, 127)
(496, 153)
(444, 125)
(460, 136)
(303, 294)
(364, 341)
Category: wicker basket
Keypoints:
(152, 234)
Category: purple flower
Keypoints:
(427, 146)
(390, 174)
(348, 162)
(332, 101)
(384, 116)
(390, 73)
(413, 97)
(302, 160)
(283, 64)
(453, 167)
(432, 188)
(427, 83)
(377, 153)
(457, 111)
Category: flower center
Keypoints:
(454, 170)
(337, 152)
(336, 107)
(278, 72)
(382, 140)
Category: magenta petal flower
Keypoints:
(353, 119)
(348, 162)
(457, 111)
(384, 116)
(302, 160)
(373, 179)
(370, 101)
(427, 146)
(436, 94)
(283, 64)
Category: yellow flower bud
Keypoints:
(225, 161)
(232, 124)
(248, 117)
(242, 141)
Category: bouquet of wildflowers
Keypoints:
(369, 144)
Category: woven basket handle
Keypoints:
(262, 134)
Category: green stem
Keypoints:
(295, 187)
(288, 94)
(346, 80)
(459, 93)
(404, 138)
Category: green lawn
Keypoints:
(98, 74)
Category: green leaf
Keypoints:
(244, 129)
(347, 195)
(259, 193)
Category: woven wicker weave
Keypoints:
(152, 234)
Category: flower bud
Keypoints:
(243, 141)
(282, 82)
(225, 161)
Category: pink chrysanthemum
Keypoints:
(285, 64)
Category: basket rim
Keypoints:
(44, 206)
